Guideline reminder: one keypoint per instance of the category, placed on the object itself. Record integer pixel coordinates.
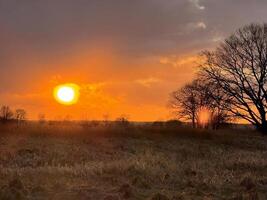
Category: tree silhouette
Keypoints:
(239, 67)
(5, 113)
(197, 96)
(20, 115)
(186, 102)
(216, 101)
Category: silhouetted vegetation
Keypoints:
(239, 68)
(20, 115)
(232, 82)
(123, 121)
(7, 115)
(188, 102)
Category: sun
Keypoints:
(204, 116)
(67, 94)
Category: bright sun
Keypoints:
(67, 94)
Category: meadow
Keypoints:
(89, 161)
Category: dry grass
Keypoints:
(80, 162)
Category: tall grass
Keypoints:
(134, 161)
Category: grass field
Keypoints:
(41, 161)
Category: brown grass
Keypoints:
(41, 161)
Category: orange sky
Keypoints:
(126, 56)
(139, 90)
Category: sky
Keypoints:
(126, 56)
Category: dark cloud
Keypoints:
(51, 24)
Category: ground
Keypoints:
(48, 161)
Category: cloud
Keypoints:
(93, 88)
(148, 82)
(181, 61)
(196, 3)
(217, 39)
(201, 25)
(94, 95)
(196, 26)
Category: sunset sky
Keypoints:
(126, 55)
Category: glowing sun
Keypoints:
(67, 94)
(204, 116)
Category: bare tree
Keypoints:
(216, 102)
(186, 101)
(189, 101)
(239, 67)
(20, 115)
(6, 113)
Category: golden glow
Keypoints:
(204, 116)
(67, 94)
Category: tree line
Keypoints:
(7, 114)
(231, 82)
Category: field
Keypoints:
(73, 161)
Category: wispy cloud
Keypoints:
(93, 87)
(201, 25)
(196, 3)
(196, 25)
(148, 82)
(181, 61)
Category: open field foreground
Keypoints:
(111, 163)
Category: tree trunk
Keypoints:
(262, 128)
(193, 122)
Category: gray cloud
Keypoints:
(51, 29)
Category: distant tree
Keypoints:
(186, 102)
(189, 101)
(216, 102)
(239, 68)
(106, 119)
(20, 115)
(123, 120)
(41, 118)
(6, 113)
